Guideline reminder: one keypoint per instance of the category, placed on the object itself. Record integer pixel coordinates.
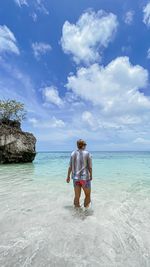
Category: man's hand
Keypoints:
(91, 178)
(68, 175)
(68, 179)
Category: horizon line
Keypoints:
(50, 151)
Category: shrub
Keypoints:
(12, 110)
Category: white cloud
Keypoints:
(51, 95)
(142, 140)
(91, 32)
(128, 19)
(148, 53)
(40, 49)
(20, 3)
(57, 123)
(8, 41)
(88, 118)
(65, 125)
(95, 120)
(115, 88)
(51, 123)
(146, 17)
(41, 7)
(128, 120)
(38, 5)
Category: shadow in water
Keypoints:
(81, 212)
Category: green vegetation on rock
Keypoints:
(12, 110)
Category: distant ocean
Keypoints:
(39, 226)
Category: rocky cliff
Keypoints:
(15, 145)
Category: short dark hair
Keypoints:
(81, 143)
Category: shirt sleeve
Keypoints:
(90, 160)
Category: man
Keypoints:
(80, 166)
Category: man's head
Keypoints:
(81, 144)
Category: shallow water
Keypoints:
(40, 227)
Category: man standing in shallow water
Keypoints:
(80, 166)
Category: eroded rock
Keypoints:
(15, 145)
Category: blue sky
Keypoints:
(82, 70)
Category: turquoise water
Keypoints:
(39, 227)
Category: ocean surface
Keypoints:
(40, 228)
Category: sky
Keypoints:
(81, 68)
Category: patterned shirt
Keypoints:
(80, 162)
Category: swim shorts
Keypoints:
(82, 183)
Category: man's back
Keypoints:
(80, 166)
(80, 162)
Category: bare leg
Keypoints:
(77, 190)
(87, 199)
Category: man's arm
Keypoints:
(68, 176)
(90, 171)
(69, 170)
(90, 165)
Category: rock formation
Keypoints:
(15, 145)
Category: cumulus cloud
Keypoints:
(128, 18)
(146, 13)
(40, 49)
(84, 39)
(8, 41)
(114, 88)
(51, 95)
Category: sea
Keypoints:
(40, 227)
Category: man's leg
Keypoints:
(77, 190)
(87, 200)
